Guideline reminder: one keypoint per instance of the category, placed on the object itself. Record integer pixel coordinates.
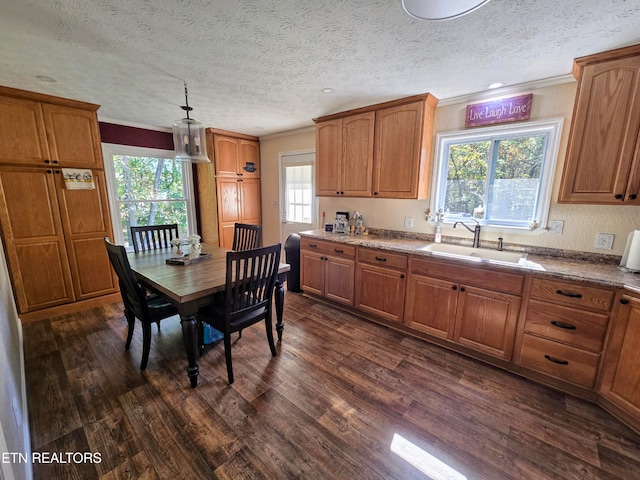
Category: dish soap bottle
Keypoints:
(438, 236)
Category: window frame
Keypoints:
(111, 149)
(551, 126)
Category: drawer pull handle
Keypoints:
(569, 294)
(337, 250)
(313, 245)
(566, 326)
(381, 259)
(556, 360)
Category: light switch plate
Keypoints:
(604, 241)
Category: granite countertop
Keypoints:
(598, 269)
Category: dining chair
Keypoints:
(248, 296)
(246, 236)
(137, 304)
(152, 237)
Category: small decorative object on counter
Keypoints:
(358, 223)
(438, 235)
(478, 212)
(341, 224)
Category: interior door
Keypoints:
(297, 194)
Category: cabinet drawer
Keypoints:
(572, 294)
(480, 277)
(567, 363)
(334, 248)
(567, 325)
(383, 258)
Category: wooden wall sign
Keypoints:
(503, 110)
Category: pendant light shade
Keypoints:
(189, 137)
(440, 9)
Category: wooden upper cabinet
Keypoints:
(382, 150)
(344, 156)
(399, 170)
(74, 139)
(236, 156)
(603, 154)
(22, 135)
(329, 158)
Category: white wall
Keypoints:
(581, 222)
(14, 423)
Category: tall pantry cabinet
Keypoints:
(229, 190)
(52, 236)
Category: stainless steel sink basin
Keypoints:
(476, 254)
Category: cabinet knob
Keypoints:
(55, 161)
(462, 289)
(619, 196)
(47, 161)
(633, 196)
(402, 275)
(337, 193)
(624, 301)
(375, 193)
(49, 171)
(454, 287)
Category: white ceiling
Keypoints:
(258, 67)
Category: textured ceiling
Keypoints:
(258, 67)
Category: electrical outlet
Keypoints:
(604, 241)
(556, 226)
(408, 222)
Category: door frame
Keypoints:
(284, 161)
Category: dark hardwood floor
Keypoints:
(340, 399)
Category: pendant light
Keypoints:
(440, 9)
(189, 137)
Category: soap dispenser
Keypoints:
(438, 236)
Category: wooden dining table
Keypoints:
(192, 286)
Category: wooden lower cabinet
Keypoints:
(620, 380)
(53, 238)
(328, 270)
(443, 301)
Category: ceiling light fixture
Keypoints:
(491, 86)
(440, 9)
(189, 137)
(327, 90)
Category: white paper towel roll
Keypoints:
(631, 255)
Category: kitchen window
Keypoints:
(148, 187)
(501, 176)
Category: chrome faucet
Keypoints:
(475, 231)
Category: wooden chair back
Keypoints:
(152, 237)
(246, 237)
(133, 295)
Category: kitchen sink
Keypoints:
(476, 254)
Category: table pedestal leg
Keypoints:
(279, 300)
(190, 336)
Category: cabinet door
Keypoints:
(486, 321)
(431, 306)
(33, 238)
(329, 158)
(398, 150)
(249, 158)
(226, 155)
(312, 272)
(86, 221)
(229, 194)
(250, 201)
(339, 282)
(603, 135)
(380, 291)
(22, 135)
(357, 154)
(73, 136)
(621, 370)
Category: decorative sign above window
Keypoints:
(503, 110)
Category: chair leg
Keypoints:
(269, 326)
(146, 344)
(227, 355)
(131, 321)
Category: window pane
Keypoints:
(514, 192)
(466, 177)
(152, 213)
(146, 178)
